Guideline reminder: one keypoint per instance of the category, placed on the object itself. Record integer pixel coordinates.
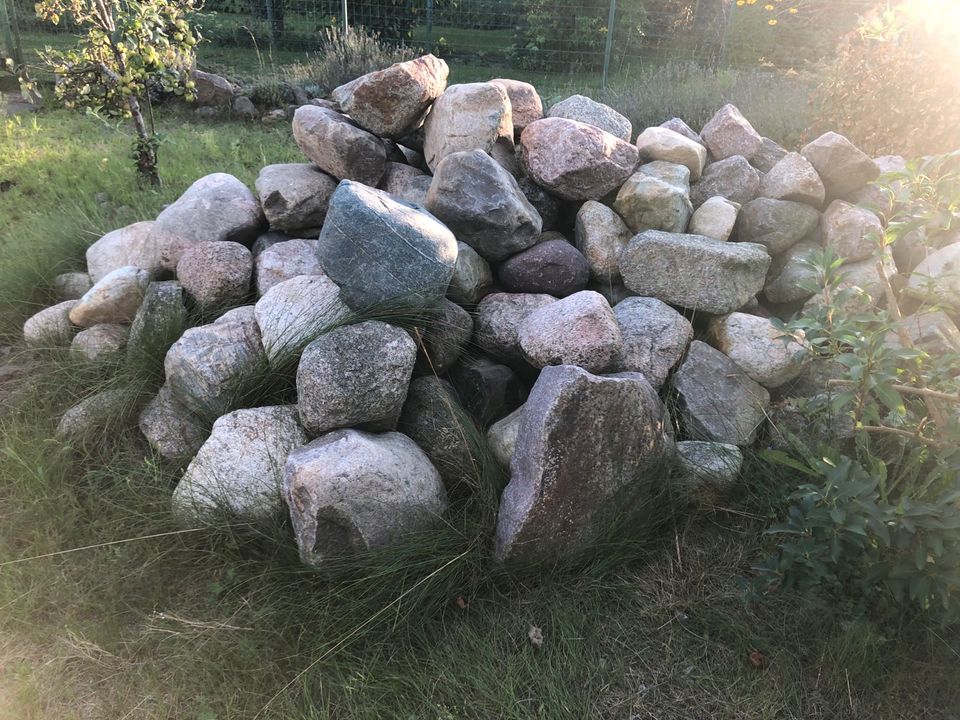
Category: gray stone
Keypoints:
(655, 337)
(212, 90)
(72, 285)
(502, 437)
(769, 154)
(483, 205)
(793, 178)
(474, 116)
(763, 351)
(268, 239)
(209, 369)
(589, 449)
(525, 103)
(356, 375)
(575, 161)
(134, 245)
(590, 112)
(472, 277)
(715, 218)
(656, 197)
(216, 207)
(97, 416)
(487, 389)
(853, 233)
(446, 337)
(338, 146)
(931, 330)
(499, 317)
(392, 102)
(707, 466)
(350, 491)
(553, 267)
(694, 272)
(733, 178)
(840, 164)
(172, 430)
(718, 401)
(238, 472)
(100, 342)
(601, 235)
(659, 143)
(728, 133)
(294, 195)
(775, 224)
(51, 327)
(811, 422)
(295, 312)
(406, 183)
(936, 279)
(161, 319)
(216, 275)
(114, 299)
(863, 282)
(383, 251)
(679, 126)
(578, 330)
(791, 276)
(244, 107)
(286, 260)
(546, 205)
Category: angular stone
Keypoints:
(715, 219)
(498, 318)
(406, 183)
(114, 299)
(769, 154)
(590, 112)
(100, 342)
(791, 276)
(525, 103)
(472, 277)
(483, 205)
(718, 401)
(446, 337)
(293, 313)
(853, 233)
(502, 437)
(931, 330)
(216, 274)
(350, 491)
(546, 205)
(382, 251)
(95, 417)
(133, 245)
(212, 90)
(601, 235)
(554, 267)
(286, 260)
(728, 133)
(487, 389)
(775, 224)
(72, 285)
(793, 178)
(679, 126)
(709, 466)
(338, 146)
(356, 375)
(172, 430)
(51, 327)
(473, 116)
(392, 102)
(656, 197)
(210, 367)
(936, 279)
(244, 107)
(575, 161)
(589, 449)
(862, 279)
(216, 207)
(433, 418)
(873, 196)
(840, 164)
(161, 319)
(655, 337)
(294, 195)
(238, 472)
(733, 178)
(759, 348)
(268, 239)
(694, 272)
(578, 330)
(659, 143)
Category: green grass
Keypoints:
(152, 621)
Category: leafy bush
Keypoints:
(885, 521)
(893, 86)
(344, 56)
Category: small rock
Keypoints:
(274, 117)
(525, 103)
(216, 275)
(244, 107)
(715, 218)
(728, 133)
(134, 245)
(502, 437)
(286, 260)
(769, 154)
(601, 235)
(474, 116)
(733, 178)
(338, 146)
(100, 342)
(487, 390)
(656, 197)
(406, 183)
(161, 319)
(578, 330)
(95, 417)
(775, 224)
(718, 401)
(350, 491)
(658, 143)
(936, 279)
(114, 299)
(172, 430)
(679, 126)
(51, 326)
(655, 337)
(863, 280)
(759, 348)
(791, 277)
(72, 285)
(853, 233)
(553, 267)
(445, 338)
(238, 471)
(709, 466)
(793, 178)
(355, 375)
(212, 89)
(546, 205)
(472, 277)
(590, 112)
(294, 195)
(266, 240)
(840, 164)
(498, 318)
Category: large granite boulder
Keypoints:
(655, 337)
(590, 112)
(791, 276)
(842, 166)
(173, 431)
(473, 116)
(445, 338)
(216, 275)
(487, 390)
(601, 235)
(715, 218)
(114, 299)
(793, 178)
(734, 179)
(134, 245)
(294, 196)
(775, 224)
(853, 233)
(161, 319)
(338, 146)
(51, 327)
(285, 260)
(659, 143)
(525, 103)
(553, 267)
(502, 437)
(656, 197)
(100, 343)
(763, 351)
(729, 133)
(589, 449)
(936, 279)
(72, 285)
(498, 319)
(472, 277)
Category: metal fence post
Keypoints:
(346, 24)
(429, 47)
(609, 47)
(11, 30)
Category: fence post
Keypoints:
(343, 9)
(609, 47)
(429, 47)
(12, 32)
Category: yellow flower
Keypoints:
(792, 11)
(772, 22)
(741, 3)
(768, 7)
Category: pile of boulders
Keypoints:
(454, 251)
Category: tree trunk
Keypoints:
(145, 145)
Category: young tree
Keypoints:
(129, 49)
